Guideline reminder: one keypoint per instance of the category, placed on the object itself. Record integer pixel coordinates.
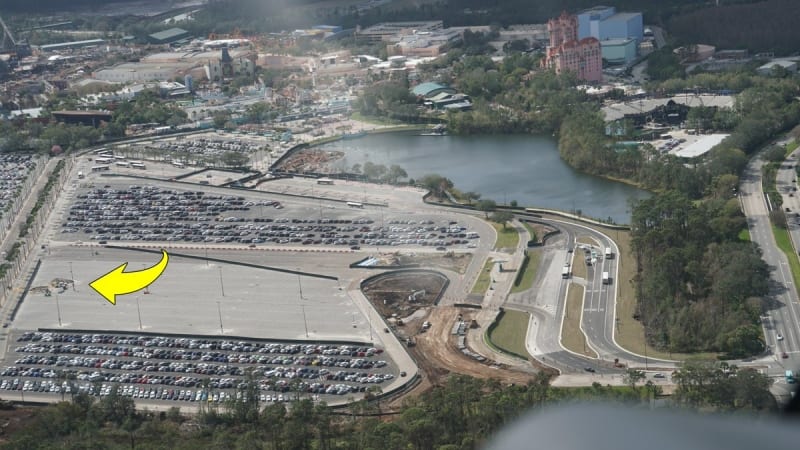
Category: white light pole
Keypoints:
(305, 322)
(72, 277)
(219, 310)
(139, 311)
(58, 309)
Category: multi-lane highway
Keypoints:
(781, 321)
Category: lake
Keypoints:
(503, 168)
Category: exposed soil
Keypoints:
(310, 160)
(540, 230)
(448, 261)
(437, 353)
(400, 294)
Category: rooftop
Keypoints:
(700, 147)
(169, 34)
(624, 16)
(70, 44)
(619, 110)
(594, 9)
(424, 89)
(393, 27)
(782, 63)
(616, 41)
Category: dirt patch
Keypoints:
(437, 354)
(539, 229)
(310, 160)
(448, 261)
(59, 284)
(401, 294)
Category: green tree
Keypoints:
(436, 184)
(220, 118)
(234, 159)
(486, 206)
(632, 377)
(394, 174)
(502, 217)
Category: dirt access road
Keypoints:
(437, 353)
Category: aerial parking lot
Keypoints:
(245, 265)
(14, 171)
(192, 296)
(164, 369)
(119, 211)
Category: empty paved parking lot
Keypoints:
(188, 298)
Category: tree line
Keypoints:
(461, 413)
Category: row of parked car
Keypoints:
(146, 393)
(47, 341)
(154, 214)
(173, 363)
(14, 170)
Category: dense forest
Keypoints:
(765, 26)
(461, 414)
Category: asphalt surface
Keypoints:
(783, 316)
(547, 304)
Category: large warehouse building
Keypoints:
(604, 22)
(619, 51)
(168, 36)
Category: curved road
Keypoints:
(547, 303)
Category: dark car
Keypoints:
(589, 369)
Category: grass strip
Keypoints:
(529, 268)
(572, 336)
(506, 238)
(508, 332)
(484, 278)
(784, 242)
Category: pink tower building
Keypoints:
(567, 53)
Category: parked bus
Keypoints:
(137, 165)
(102, 160)
(177, 164)
(123, 164)
(606, 278)
(789, 377)
(99, 168)
(355, 205)
(609, 255)
(119, 158)
(565, 271)
(324, 181)
(100, 151)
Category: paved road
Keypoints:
(784, 316)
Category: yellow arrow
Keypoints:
(117, 282)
